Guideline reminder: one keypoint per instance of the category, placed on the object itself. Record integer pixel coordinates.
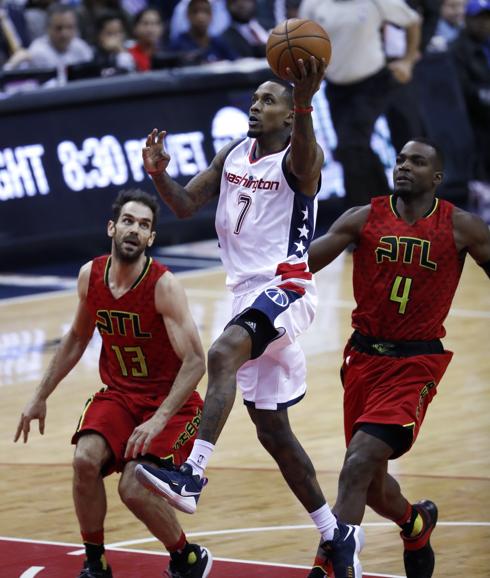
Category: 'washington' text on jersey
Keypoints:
(251, 183)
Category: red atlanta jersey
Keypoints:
(136, 354)
(263, 225)
(405, 276)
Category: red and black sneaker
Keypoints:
(318, 572)
(322, 567)
(97, 570)
(418, 555)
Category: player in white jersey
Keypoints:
(267, 186)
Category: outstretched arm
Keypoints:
(70, 350)
(344, 231)
(184, 201)
(472, 234)
(305, 158)
(171, 302)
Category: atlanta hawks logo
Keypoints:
(278, 296)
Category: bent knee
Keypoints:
(86, 466)
(359, 465)
(226, 354)
(273, 439)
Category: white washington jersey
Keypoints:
(264, 227)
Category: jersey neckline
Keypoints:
(429, 213)
(138, 280)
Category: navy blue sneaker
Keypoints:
(179, 487)
(196, 564)
(418, 555)
(343, 551)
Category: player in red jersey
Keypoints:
(150, 364)
(410, 251)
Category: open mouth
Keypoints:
(252, 120)
(402, 179)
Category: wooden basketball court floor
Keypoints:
(247, 513)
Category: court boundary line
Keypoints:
(164, 554)
(259, 529)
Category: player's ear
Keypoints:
(111, 229)
(438, 178)
(289, 119)
(151, 239)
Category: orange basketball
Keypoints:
(293, 39)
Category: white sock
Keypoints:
(200, 454)
(325, 521)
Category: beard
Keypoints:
(126, 256)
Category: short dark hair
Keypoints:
(106, 16)
(139, 15)
(288, 89)
(138, 196)
(56, 8)
(439, 154)
(192, 2)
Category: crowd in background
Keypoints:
(135, 35)
(377, 48)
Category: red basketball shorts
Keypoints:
(389, 390)
(114, 415)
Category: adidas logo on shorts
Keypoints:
(252, 325)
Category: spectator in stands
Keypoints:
(59, 48)
(449, 25)
(110, 53)
(245, 37)
(89, 11)
(148, 30)
(272, 12)
(219, 22)
(471, 53)
(36, 17)
(197, 45)
(360, 82)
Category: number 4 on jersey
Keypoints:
(400, 291)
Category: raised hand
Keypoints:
(309, 79)
(35, 409)
(155, 157)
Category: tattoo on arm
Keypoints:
(204, 186)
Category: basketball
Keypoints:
(293, 39)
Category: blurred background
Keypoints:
(82, 83)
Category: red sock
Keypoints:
(93, 537)
(407, 516)
(320, 563)
(179, 545)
